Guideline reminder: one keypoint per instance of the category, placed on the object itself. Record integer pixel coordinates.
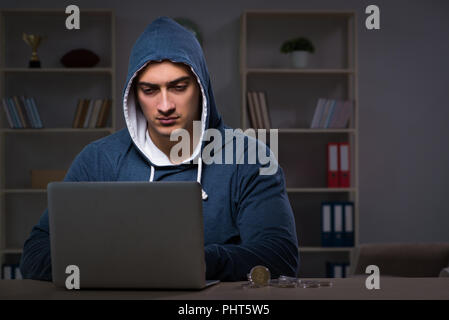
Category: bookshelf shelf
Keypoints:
(325, 249)
(289, 190)
(57, 91)
(21, 191)
(56, 130)
(11, 251)
(320, 190)
(297, 71)
(291, 96)
(56, 70)
(305, 130)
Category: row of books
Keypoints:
(11, 272)
(92, 113)
(337, 270)
(21, 112)
(330, 113)
(259, 116)
(337, 224)
(338, 165)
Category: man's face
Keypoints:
(169, 96)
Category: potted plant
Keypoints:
(300, 48)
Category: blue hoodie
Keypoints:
(248, 219)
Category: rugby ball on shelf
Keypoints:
(80, 58)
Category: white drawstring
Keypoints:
(198, 177)
(152, 174)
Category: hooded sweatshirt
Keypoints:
(248, 219)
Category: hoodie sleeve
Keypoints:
(35, 263)
(267, 230)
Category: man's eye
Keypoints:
(180, 88)
(148, 91)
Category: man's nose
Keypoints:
(166, 105)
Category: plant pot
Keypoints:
(299, 59)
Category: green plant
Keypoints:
(297, 44)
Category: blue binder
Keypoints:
(326, 224)
(337, 212)
(348, 229)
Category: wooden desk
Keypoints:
(342, 289)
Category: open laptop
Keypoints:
(146, 235)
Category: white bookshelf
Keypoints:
(292, 95)
(56, 90)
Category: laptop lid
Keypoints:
(128, 234)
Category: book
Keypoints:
(330, 114)
(7, 112)
(22, 112)
(318, 112)
(251, 111)
(258, 110)
(325, 113)
(336, 115)
(264, 109)
(76, 118)
(95, 111)
(36, 113)
(104, 113)
(84, 109)
(90, 108)
(29, 111)
(15, 115)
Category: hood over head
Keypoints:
(165, 39)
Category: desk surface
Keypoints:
(349, 288)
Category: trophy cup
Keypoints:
(33, 41)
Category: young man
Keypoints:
(248, 220)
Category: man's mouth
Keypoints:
(167, 120)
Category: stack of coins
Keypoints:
(259, 276)
(314, 283)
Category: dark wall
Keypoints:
(403, 97)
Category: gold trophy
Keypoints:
(33, 41)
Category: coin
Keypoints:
(308, 284)
(325, 283)
(287, 282)
(260, 276)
